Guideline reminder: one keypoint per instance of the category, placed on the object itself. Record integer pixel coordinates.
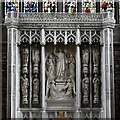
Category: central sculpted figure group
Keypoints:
(60, 74)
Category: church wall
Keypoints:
(117, 69)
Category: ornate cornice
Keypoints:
(60, 20)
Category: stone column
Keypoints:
(103, 81)
(108, 78)
(78, 72)
(43, 74)
(108, 70)
(11, 67)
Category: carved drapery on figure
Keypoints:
(35, 62)
(96, 80)
(35, 59)
(25, 58)
(35, 89)
(96, 83)
(60, 72)
(85, 80)
(24, 73)
(96, 58)
(60, 64)
(85, 58)
(85, 89)
(24, 88)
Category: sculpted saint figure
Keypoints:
(60, 64)
(35, 56)
(50, 66)
(71, 66)
(96, 83)
(35, 87)
(25, 55)
(24, 87)
(71, 70)
(85, 87)
(85, 55)
(96, 55)
(50, 63)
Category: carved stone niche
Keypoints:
(60, 72)
(35, 73)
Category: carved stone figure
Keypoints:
(52, 90)
(96, 56)
(35, 59)
(69, 92)
(96, 83)
(24, 88)
(50, 73)
(71, 70)
(85, 88)
(35, 56)
(85, 55)
(60, 64)
(25, 58)
(71, 66)
(50, 66)
(35, 88)
(25, 55)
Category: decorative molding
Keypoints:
(59, 20)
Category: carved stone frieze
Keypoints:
(29, 36)
(60, 35)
